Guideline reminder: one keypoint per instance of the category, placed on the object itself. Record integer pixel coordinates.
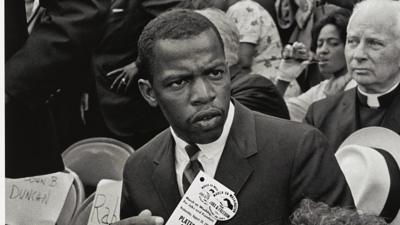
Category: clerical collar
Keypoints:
(381, 100)
(218, 145)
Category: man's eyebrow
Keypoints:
(213, 64)
(175, 76)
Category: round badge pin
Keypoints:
(223, 205)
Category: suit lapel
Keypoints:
(392, 118)
(234, 169)
(349, 122)
(165, 184)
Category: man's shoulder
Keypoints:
(281, 128)
(327, 104)
(329, 108)
(277, 136)
(151, 149)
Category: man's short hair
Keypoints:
(177, 24)
(392, 5)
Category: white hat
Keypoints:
(370, 159)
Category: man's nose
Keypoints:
(359, 53)
(202, 92)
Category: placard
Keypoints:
(106, 203)
(36, 200)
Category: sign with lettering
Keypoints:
(204, 203)
(106, 203)
(36, 200)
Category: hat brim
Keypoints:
(376, 137)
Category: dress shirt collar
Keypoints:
(213, 148)
(378, 100)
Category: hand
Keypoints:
(144, 218)
(123, 81)
(290, 69)
(295, 59)
(296, 51)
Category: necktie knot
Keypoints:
(191, 150)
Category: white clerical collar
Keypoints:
(213, 148)
(372, 99)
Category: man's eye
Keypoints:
(351, 41)
(374, 43)
(178, 83)
(216, 73)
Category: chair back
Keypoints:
(94, 159)
(75, 198)
(83, 213)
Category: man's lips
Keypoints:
(360, 71)
(206, 115)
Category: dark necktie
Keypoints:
(192, 168)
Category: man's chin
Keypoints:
(207, 136)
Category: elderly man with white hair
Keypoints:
(373, 58)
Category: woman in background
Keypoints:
(329, 38)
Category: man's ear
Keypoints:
(146, 89)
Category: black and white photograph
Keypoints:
(201, 112)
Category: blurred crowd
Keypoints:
(72, 72)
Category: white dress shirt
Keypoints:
(209, 154)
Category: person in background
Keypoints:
(183, 70)
(260, 43)
(115, 107)
(329, 37)
(252, 90)
(43, 81)
(373, 59)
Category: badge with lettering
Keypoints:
(204, 203)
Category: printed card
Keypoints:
(204, 203)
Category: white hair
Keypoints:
(388, 6)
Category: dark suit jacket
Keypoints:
(270, 163)
(257, 93)
(336, 116)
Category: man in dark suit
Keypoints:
(270, 163)
(373, 58)
(52, 58)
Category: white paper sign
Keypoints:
(36, 200)
(204, 203)
(106, 203)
